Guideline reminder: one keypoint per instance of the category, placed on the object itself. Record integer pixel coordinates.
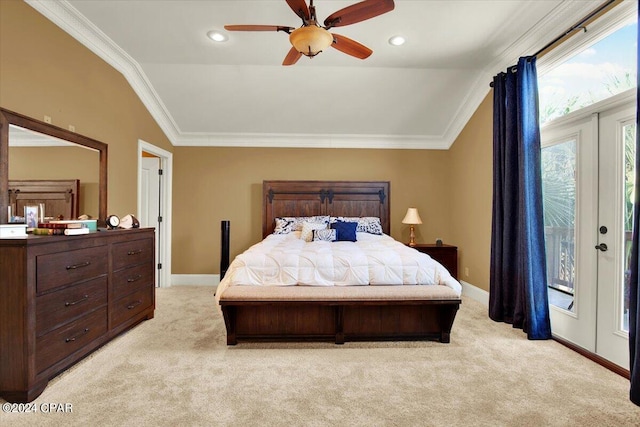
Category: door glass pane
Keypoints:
(629, 134)
(559, 204)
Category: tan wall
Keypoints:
(44, 71)
(471, 177)
(214, 184)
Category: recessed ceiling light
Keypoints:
(217, 36)
(397, 40)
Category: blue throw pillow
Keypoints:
(346, 231)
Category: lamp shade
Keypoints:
(310, 40)
(412, 217)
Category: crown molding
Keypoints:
(408, 142)
(20, 137)
(64, 15)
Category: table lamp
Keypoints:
(412, 218)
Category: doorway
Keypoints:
(587, 170)
(154, 203)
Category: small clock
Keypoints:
(113, 222)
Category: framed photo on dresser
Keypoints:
(31, 216)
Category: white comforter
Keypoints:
(287, 260)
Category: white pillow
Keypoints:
(288, 224)
(307, 230)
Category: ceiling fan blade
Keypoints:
(350, 47)
(292, 57)
(299, 7)
(258, 28)
(358, 12)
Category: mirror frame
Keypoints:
(11, 118)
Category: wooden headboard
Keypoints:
(61, 198)
(335, 198)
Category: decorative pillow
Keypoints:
(345, 231)
(366, 224)
(370, 224)
(328, 235)
(287, 224)
(308, 228)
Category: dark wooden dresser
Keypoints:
(62, 297)
(447, 255)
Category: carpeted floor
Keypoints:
(176, 370)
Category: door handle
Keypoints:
(602, 246)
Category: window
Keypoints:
(629, 137)
(559, 203)
(599, 71)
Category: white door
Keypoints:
(588, 176)
(616, 190)
(569, 171)
(150, 203)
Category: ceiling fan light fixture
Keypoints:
(397, 41)
(217, 36)
(310, 40)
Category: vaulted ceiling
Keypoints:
(237, 93)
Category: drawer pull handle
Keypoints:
(84, 298)
(134, 304)
(72, 339)
(133, 279)
(136, 252)
(76, 266)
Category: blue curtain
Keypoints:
(518, 282)
(634, 297)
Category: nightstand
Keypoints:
(447, 255)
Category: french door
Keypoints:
(588, 176)
(615, 211)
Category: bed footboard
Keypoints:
(345, 314)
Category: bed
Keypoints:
(60, 198)
(375, 288)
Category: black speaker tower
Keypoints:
(224, 248)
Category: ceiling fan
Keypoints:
(310, 39)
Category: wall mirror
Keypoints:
(34, 150)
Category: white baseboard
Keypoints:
(195, 279)
(475, 293)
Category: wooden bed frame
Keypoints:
(61, 198)
(300, 317)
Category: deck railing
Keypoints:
(560, 258)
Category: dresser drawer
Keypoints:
(62, 268)
(127, 307)
(131, 279)
(133, 252)
(57, 308)
(61, 342)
